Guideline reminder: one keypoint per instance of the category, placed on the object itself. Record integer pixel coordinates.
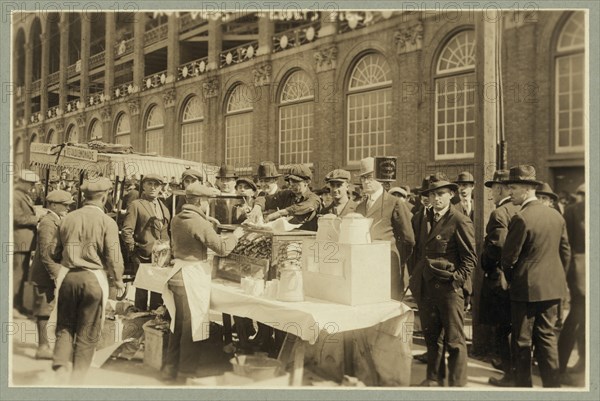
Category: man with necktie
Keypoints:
(464, 201)
(337, 181)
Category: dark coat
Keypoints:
(350, 207)
(24, 221)
(303, 209)
(141, 227)
(450, 242)
(457, 203)
(575, 220)
(46, 262)
(536, 254)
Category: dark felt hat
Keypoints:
(500, 177)
(437, 181)
(523, 174)
(545, 189)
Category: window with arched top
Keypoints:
(192, 129)
(569, 97)
(123, 130)
(369, 107)
(455, 98)
(72, 134)
(96, 130)
(296, 119)
(51, 137)
(238, 126)
(155, 125)
(18, 155)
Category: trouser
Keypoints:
(502, 345)
(442, 318)
(533, 325)
(183, 352)
(572, 331)
(20, 272)
(244, 329)
(79, 321)
(141, 299)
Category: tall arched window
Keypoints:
(154, 130)
(19, 154)
(369, 108)
(51, 138)
(192, 129)
(72, 134)
(569, 95)
(123, 130)
(455, 98)
(96, 130)
(238, 127)
(296, 119)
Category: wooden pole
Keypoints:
(46, 186)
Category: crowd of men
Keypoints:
(532, 257)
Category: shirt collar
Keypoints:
(374, 196)
(503, 201)
(442, 212)
(51, 211)
(528, 200)
(94, 204)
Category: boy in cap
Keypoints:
(399, 193)
(337, 180)
(92, 257)
(146, 221)
(246, 188)
(25, 221)
(188, 177)
(46, 265)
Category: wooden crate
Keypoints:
(155, 347)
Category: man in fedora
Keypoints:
(545, 194)
(391, 222)
(46, 265)
(535, 257)
(337, 181)
(445, 258)
(298, 202)
(146, 221)
(25, 221)
(573, 330)
(494, 307)
(266, 178)
(464, 201)
(227, 177)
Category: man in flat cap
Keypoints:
(266, 178)
(573, 330)
(25, 222)
(246, 188)
(391, 222)
(338, 181)
(146, 221)
(399, 193)
(193, 234)
(464, 201)
(495, 301)
(298, 201)
(46, 265)
(91, 254)
(535, 257)
(445, 258)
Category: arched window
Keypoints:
(369, 108)
(51, 138)
(455, 98)
(123, 130)
(95, 130)
(19, 154)
(154, 130)
(192, 129)
(296, 119)
(72, 134)
(569, 95)
(238, 127)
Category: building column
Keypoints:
(329, 23)
(170, 144)
(173, 59)
(45, 71)
(84, 78)
(28, 76)
(64, 64)
(109, 55)
(266, 30)
(215, 43)
(139, 29)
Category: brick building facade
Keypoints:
(250, 87)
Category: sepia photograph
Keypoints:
(292, 196)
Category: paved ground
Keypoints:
(26, 371)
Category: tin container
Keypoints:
(385, 168)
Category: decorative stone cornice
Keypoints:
(134, 107)
(326, 59)
(81, 120)
(210, 88)
(409, 39)
(106, 114)
(169, 97)
(59, 124)
(262, 74)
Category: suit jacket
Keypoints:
(450, 241)
(304, 209)
(391, 222)
(141, 227)
(24, 221)
(350, 207)
(495, 235)
(46, 262)
(575, 220)
(536, 254)
(457, 203)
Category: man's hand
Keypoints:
(119, 285)
(255, 214)
(272, 216)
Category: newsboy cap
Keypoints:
(246, 181)
(154, 177)
(299, 172)
(29, 176)
(192, 173)
(338, 175)
(60, 196)
(198, 189)
(99, 184)
(398, 190)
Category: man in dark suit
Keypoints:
(574, 328)
(495, 300)
(535, 256)
(391, 222)
(25, 222)
(463, 200)
(445, 258)
(337, 181)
